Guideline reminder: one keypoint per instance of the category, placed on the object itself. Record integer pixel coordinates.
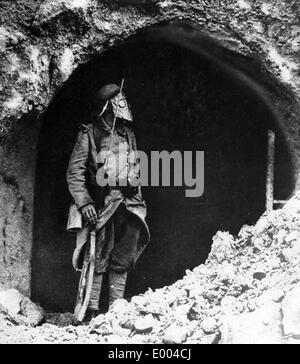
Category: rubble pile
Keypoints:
(248, 291)
(16, 309)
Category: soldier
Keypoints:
(117, 210)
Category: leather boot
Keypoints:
(96, 292)
(117, 285)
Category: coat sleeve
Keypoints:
(134, 169)
(76, 172)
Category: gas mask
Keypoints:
(120, 107)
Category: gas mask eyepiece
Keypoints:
(121, 107)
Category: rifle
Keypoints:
(86, 279)
(114, 125)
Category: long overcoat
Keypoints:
(81, 178)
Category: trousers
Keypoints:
(121, 236)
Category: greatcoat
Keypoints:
(81, 177)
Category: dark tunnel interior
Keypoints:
(180, 102)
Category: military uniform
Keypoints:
(122, 233)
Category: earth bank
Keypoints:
(248, 291)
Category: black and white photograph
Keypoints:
(149, 174)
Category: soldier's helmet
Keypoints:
(112, 94)
(106, 93)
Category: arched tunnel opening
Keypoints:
(182, 102)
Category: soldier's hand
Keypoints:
(90, 214)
